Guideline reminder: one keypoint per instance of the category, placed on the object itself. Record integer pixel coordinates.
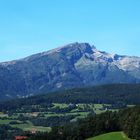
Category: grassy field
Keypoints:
(111, 136)
(5, 121)
(26, 126)
(30, 127)
(60, 105)
(79, 111)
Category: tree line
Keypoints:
(126, 120)
(117, 95)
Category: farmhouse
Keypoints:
(20, 137)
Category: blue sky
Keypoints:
(32, 26)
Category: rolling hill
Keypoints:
(111, 136)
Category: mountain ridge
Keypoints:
(69, 66)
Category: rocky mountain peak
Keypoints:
(69, 66)
(83, 47)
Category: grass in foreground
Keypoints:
(111, 136)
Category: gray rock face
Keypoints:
(74, 65)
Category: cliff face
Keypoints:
(74, 65)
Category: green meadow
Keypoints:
(111, 136)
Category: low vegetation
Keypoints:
(40, 118)
(111, 136)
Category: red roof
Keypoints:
(20, 137)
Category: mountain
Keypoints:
(73, 65)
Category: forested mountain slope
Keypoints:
(121, 94)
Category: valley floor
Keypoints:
(40, 118)
(17, 118)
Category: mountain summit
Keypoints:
(73, 65)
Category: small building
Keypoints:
(20, 137)
(71, 105)
(33, 131)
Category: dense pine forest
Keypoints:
(117, 94)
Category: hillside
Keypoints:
(111, 136)
(70, 66)
(65, 112)
(126, 121)
(42, 112)
(117, 95)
